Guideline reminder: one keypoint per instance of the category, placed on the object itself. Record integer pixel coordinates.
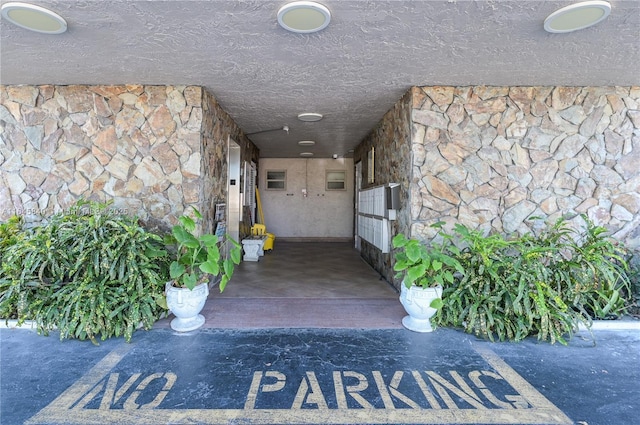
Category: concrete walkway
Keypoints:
(319, 376)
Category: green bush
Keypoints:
(541, 285)
(10, 233)
(634, 277)
(88, 273)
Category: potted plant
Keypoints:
(198, 260)
(425, 270)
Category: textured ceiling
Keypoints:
(352, 72)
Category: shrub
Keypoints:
(88, 273)
(634, 278)
(542, 285)
(10, 233)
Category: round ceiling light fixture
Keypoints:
(577, 16)
(306, 143)
(306, 154)
(34, 18)
(309, 116)
(304, 17)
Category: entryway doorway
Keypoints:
(234, 207)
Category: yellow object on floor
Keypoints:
(258, 229)
(268, 244)
(261, 230)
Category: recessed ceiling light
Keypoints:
(307, 154)
(577, 16)
(309, 116)
(304, 17)
(306, 143)
(34, 18)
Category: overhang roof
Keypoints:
(352, 72)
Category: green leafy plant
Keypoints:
(634, 279)
(10, 232)
(199, 257)
(542, 285)
(88, 273)
(426, 266)
(599, 264)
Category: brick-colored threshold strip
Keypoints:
(261, 313)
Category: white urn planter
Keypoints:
(416, 301)
(186, 305)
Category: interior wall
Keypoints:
(321, 214)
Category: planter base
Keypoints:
(417, 325)
(185, 305)
(417, 303)
(186, 325)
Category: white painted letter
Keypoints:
(314, 396)
(462, 390)
(130, 403)
(392, 389)
(353, 390)
(281, 379)
(518, 401)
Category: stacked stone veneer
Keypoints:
(391, 139)
(491, 157)
(217, 128)
(154, 150)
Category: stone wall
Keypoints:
(140, 146)
(391, 139)
(491, 157)
(217, 128)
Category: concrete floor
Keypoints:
(304, 285)
(308, 270)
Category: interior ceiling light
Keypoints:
(577, 16)
(306, 143)
(34, 18)
(304, 17)
(307, 154)
(309, 116)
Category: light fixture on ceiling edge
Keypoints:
(309, 116)
(304, 17)
(577, 16)
(34, 18)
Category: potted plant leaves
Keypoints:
(198, 260)
(425, 270)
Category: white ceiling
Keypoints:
(352, 72)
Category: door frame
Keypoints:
(234, 195)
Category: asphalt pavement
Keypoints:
(319, 376)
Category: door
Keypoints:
(234, 209)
